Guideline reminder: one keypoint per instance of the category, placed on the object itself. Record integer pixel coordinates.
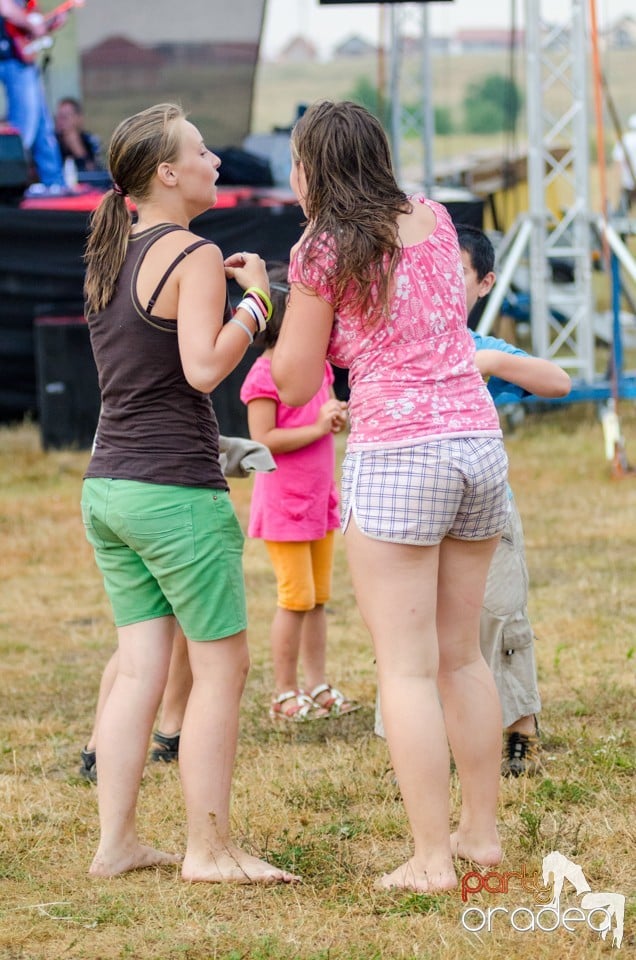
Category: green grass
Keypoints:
(318, 800)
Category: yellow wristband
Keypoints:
(264, 297)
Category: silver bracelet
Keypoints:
(240, 324)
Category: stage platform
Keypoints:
(41, 270)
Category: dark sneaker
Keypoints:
(164, 749)
(521, 755)
(88, 769)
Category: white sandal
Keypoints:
(336, 704)
(303, 710)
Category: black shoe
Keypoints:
(165, 749)
(521, 754)
(88, 769)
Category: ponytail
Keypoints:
(106, 250)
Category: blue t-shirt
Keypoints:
(500, 390)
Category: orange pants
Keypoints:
(303, 571)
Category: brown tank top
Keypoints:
(153, 426)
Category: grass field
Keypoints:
(281, 86)
(316, 799)
(207, 93)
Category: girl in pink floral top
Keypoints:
(377, 285)
(412, 376)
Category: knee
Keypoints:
(449, 666)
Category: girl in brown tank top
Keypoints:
(156, 304)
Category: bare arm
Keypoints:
(298, 361)
(541, 377)
(22, 18)
(210, 351)
(261, 419)
(340, 417)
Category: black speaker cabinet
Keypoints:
(68, 397)
(14, 169)
(67, 388)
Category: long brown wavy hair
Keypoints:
(139, 144)
(353, 198)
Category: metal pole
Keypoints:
(428, 112)
(505, 278)
(536, 173)
(395, 106)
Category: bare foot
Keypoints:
(410, 877)
(137, 858)
(233, 865)
(487, 853)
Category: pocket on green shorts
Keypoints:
(90, 527)
(164, 537)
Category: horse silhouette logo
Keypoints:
(557, 869)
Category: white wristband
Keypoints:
(248, 303)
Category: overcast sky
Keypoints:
(328, 25)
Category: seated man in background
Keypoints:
(75, 142)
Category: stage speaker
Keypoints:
(242, 168)
(14, 168)
(68, 399)
(67, 387)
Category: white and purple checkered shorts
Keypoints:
(421, 494)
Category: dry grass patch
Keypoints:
(318, 799)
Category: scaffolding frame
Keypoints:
(562, 315)
(556, 57)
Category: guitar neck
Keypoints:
(50, 18)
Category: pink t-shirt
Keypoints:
(298, 501)
(413, 375)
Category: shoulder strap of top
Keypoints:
(177, 260)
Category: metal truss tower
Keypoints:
(558, 162)
(411, 95)
(556, 59)
(558, 150)
(558, 223)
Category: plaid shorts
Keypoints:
(421, 494)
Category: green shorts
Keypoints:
(168, 550)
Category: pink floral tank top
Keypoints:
(412, 375)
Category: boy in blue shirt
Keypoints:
(507, 638)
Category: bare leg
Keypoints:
(105, 686)
(313, 646)
(396, 589)
(206, 760)
(285, 639)
(525, 725)
(122, 742)
(469, 695)
(178, 687)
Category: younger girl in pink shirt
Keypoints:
(294, 509)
